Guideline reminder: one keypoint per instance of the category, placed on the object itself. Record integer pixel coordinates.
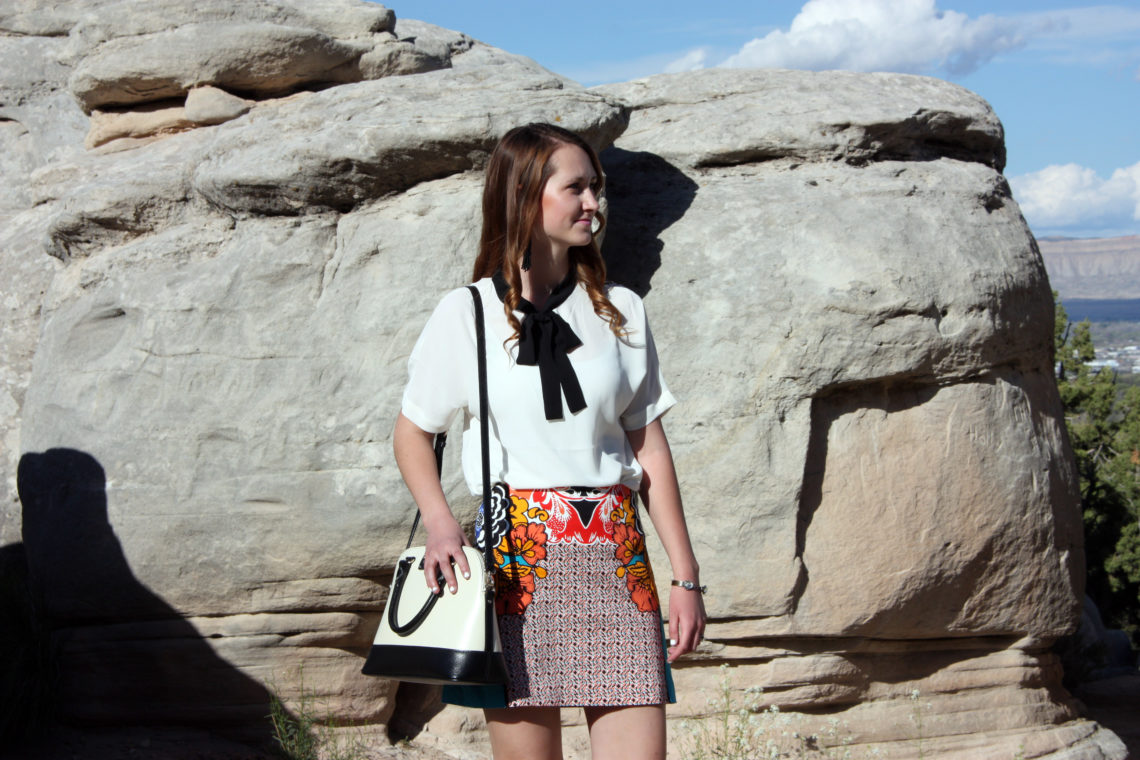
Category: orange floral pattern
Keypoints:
(630, 552)
(532, 523)
(513, 593)
(516, 566)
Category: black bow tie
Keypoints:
(544, 340)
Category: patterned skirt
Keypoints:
(579, 615)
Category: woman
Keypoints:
(575, 397)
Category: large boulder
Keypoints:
(847, 300)
(862, 329)
(39, 125)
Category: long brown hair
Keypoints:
(512, 199)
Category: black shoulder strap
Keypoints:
(484, 427)
(484, 435)
(484, 444)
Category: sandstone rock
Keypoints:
(852, 117)
(250, 57)
(98, 21)
(102, 201)
(38, 119)
(433, 40)
(209, 105)
(204, 106)
(804, 297)
(352, 143)
(867, 325)
(34, 19)
(846, 298)
(880, 473)
(39, 124)
(26, 273)
(142, 122)
(397, 58)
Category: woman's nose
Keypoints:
(589, 201)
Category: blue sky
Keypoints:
(1063, 76)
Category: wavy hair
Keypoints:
(512, 201)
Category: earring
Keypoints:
(526, 260)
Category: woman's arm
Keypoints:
(416, 459)
(662, 498)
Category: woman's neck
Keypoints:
(547, 270)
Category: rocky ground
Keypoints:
(1113, 703)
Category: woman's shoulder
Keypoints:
(460, 298)
(617, 293)
(455, 306)
(625, 300)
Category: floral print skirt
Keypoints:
(579, 616)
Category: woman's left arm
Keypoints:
(662, 498)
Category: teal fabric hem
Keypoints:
(494, 695)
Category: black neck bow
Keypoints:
(544, 340)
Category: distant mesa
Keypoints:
(1093, 268)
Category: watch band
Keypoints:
(690, 586)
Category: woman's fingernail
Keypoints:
(672, 642)
(451, 589)
(466, 574)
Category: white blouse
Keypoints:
(620, 378)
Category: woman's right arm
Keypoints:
(416, 459)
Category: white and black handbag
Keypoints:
(444, 638)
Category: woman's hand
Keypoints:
(662, 497)
(416, 460)
(444, 554)
(686, 620)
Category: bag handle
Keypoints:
(409, 628)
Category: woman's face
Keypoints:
(568, 200)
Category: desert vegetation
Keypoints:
(1102, 415)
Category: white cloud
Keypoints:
(690, 61)
(882, 35)
(1098, 23)
(1067, 199)
(913, 36)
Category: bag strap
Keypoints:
(440, 442)
(489, 624)
(484, 428)
(484, 438)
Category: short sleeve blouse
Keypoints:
(620, 378)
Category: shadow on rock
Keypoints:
(124, 656)
(646, 196)
(28, 678)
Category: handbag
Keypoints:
(444, 638)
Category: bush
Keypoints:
(1103, 420)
